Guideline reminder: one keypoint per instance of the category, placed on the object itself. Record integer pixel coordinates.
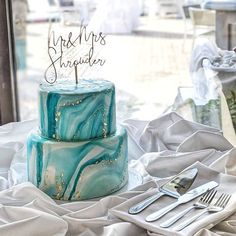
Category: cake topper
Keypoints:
(72, 50)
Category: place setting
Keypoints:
(196, 198)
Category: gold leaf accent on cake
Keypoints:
(58, 114)
(59, 188)
(60, 183)
(77, 195)
(68, 104)
(58, 197)
(104, 129)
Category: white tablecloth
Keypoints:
(158, 150)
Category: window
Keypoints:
(148, 51)
(8, 89)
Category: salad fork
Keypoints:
(212, 208)
(202, 203)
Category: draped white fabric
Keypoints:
(158, 150)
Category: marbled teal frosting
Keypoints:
(78, 170)
(70, 112)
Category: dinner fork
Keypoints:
(202, 203)
(219, 205)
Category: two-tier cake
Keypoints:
(77, 153)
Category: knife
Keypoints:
(190, 195)
(175, 187)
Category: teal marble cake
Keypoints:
(77, 153)
(70, 112)
(78, 170)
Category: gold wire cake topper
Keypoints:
(72, 50)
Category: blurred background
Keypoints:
(148, 50)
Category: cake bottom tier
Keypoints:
(78, 170)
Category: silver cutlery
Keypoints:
(202, 203)
(176, 187)
(218, 206)
(190, 195)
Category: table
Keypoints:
(175, 145)
(225, 22)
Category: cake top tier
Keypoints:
(76, 112)
(84, 86)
